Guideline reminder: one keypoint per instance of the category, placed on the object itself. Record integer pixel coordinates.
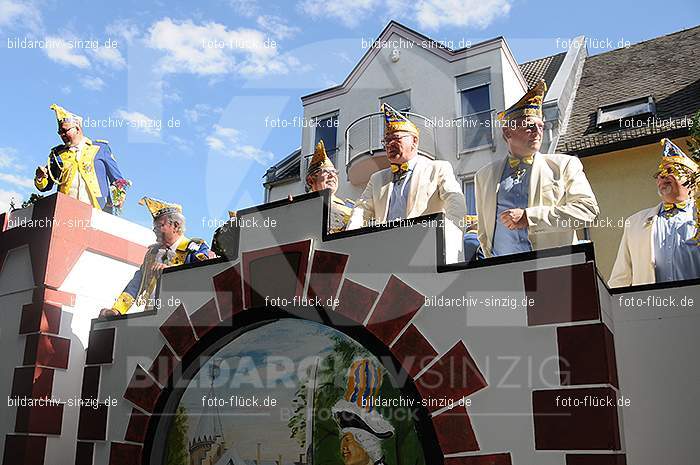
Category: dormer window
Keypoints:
(617, 112)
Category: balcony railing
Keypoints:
(475, 131)
(364, 136)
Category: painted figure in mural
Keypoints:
(172, 248)
(661, 243)
(321, 174)
(362, 427)
(412, 186)
(82, 168)
(531, 200)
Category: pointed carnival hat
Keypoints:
(674, 155)
(395, 121)
(159, 207)
(356, 410)
(529, 105)
(65, 116)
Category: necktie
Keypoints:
(515, 162)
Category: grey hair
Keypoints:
(175, 218)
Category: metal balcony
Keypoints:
(364, 153)
(475, 132)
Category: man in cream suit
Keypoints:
(661, 243)
(530, 200)
(412, 186)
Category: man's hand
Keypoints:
(107, 312)
(41, 172)
(515, 218)
(158, 266)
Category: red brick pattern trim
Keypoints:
(142, 390)
(178, 331)
(24, 450)
(454, 376)
(205, 318)
(100, 346)
(162, 367)
(40, 317)
(83, 453)
(92, 424)
(124, 454)
(271, 286)
(562, 295)
(39, 419)
(355, 301)
(587, 355)
(413, 351)
(34, 382)
(229, 292)
(454, 431)
(138, 424)
(326, 274)
(397, 305)
(575, 427)
(491, 459)
(45, 350)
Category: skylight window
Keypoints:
(623, 110)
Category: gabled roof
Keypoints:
(665, 68)
(543, 68)
(420, 40)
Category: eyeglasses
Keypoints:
(328, 172)
(61, 132)
(388, 141)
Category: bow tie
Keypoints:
(674, 206)
(402, 168)
(515, 162)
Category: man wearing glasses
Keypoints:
(321, 174)
(530, 200)
(661, 243)
(413, 185)
(81, 168)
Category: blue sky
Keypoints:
(216, 69)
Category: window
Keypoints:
(400, 101)
(469, 194)
(475, 99)
(327, 130)
(618, 111)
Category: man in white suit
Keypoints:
(412, 186)
(530, 200)
(661, 243)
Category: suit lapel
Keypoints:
(415, 188)
(535, 181)
(385, 194)
(493, 183)
(649, 227)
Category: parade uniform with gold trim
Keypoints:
(141, 289)
(341, 209)
(85, 172)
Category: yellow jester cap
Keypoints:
(319, 160)
(394, 121)
(529, 105)
(65, 116)
(159, 207)
(673, 154)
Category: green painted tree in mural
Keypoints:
(177, 453)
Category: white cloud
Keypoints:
(200, 111)
(349, 13)
(124, 29)
(433, 14)
(139, 121)
(7, 157)
(429, 14)
(19, 15)
(92, 83)
(247, 8)
(212, 49)
(226, 141)
(110, 56)
(6, 197)
(61, 51)
(277, 27)
(16, 180)
(66, 90)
